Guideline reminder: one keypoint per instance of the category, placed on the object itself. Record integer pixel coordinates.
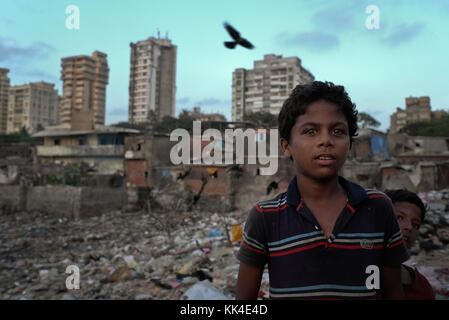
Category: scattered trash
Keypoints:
(215, 233)
(204, 290)
(132, 264)
(237, 233)
(124, 255)
(201, 275)
(144, 296)
(160, 284)
(175, 284)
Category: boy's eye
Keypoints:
(310, 131)
(339, 131)
(416, 226)
(399, 218)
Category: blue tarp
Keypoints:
(379, 145)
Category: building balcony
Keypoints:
(102, 151)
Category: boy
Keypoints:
(325, 237)
(410, 212)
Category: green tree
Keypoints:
(366, 120)
(40, 127)
(136, 126)
(433, 128)
(18, 137)
(262, 119)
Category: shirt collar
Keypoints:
(355, 192)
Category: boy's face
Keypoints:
(409, 219)
(319, 141)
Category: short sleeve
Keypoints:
(394, 250)
(254, 249)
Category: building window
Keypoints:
(57, 142)
(81, 141)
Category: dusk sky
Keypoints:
(407, 55)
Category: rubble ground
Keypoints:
(120, 255)
(132, 255)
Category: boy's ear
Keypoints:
(286, 148)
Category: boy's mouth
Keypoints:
(325, 159)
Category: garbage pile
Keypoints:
(430, 255)
(129, 255)
(120, 255)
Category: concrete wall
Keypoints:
(60, 201)
(12, 198)
(251, 188)
(443, 175)
(105, 159)
(422, 176)
(412, 159)
(417, 145)
(362, 149)
(396, 178)
(366, 174)
(25, 151)
(96, 201)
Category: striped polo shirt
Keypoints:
(303, 264)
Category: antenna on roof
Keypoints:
(166, 34)
(158, 33)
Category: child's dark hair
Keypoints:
(305, 94)
(403, 195)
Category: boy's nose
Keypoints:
(406, 225)
(325, 139)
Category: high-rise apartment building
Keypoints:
(265, 88)
(84, 86)
(32, 105)
(152, 80)
(4, 92)
(417, 109)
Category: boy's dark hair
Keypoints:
(305, 94)
(403, 195)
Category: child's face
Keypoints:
(409, 219)
(319, 141)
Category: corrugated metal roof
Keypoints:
(56, 132)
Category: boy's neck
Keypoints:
(312, 190)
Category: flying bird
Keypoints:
(273, 185)
(237, 38)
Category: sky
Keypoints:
(408, 55)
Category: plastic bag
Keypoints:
(204, 290)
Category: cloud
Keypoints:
(403, 33)
(118, 112)
(184, 100)
(334, 17)
(11, 51)
(38, 74)
(373, 112)
(7, 21)
(209, 102)
(315, 40)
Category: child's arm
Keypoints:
(248, 282)
(252, 255)
(391, 284)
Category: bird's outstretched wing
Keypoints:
(230, 44)
(246, 43)
(232, 32)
